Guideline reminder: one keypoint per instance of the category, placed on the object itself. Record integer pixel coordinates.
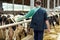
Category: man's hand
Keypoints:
(48, 30)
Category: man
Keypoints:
(39, 20)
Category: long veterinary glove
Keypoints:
(17, 19)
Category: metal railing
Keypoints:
(13, 24)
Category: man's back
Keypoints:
(38, 20)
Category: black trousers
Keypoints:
(38, 35)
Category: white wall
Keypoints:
(9, 7)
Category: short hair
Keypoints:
(38, 2)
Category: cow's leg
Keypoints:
(11, 32)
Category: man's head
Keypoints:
(38, 3)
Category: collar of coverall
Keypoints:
(38, 7)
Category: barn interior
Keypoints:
(10, 10)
